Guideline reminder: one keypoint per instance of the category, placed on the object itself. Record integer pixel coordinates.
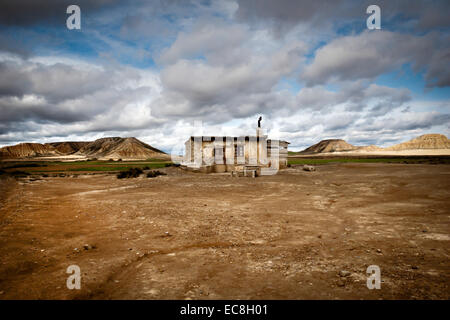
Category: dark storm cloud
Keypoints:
(55, 82)
(14, 110)
(370, 54)
(29, 12)
(72, 95)
(284, 14)
(12, 81)
(10, 44)
(356, 96)
(438, 74)
(409, 121)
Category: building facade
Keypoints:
(234, 154)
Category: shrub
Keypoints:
(25, 165)
(172, 165)
(155, 173)
(19, 174)
(16, 174)
(130, 173)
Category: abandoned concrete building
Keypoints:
(255, 154)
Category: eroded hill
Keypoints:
(330, 145)
(103, 149)
(120, 148)
(426, 141)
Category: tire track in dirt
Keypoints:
(97, 291)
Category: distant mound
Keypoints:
(26, 150)
(370, 148)
(120, 148)
(104, 149)
(68, 147)
(426, 141)
(330, 145)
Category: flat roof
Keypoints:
(224, 138)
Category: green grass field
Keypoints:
(42, 167)
(80, 166)
(118, 168)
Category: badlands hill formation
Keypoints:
(102, 149)
(133, 149)
(424, 143)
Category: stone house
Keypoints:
(235, 154)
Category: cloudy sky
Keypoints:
(157, 69)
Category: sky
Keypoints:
(164, 70)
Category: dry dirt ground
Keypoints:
(195, 236)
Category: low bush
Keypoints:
(130, 173)
(25, 165)
(172, 165)
(19, 174)
(155, 173)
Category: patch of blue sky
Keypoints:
(415, 82)
(313, 50)
(96, 45)
(392, 23)
(351, 27)
(289, 84)
(169, 17)
(46, 40)
(333, 87)
(233, 123)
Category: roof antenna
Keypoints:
(259, 122)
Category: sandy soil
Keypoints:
(380, 153)
(412, 152)
(195, 236)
